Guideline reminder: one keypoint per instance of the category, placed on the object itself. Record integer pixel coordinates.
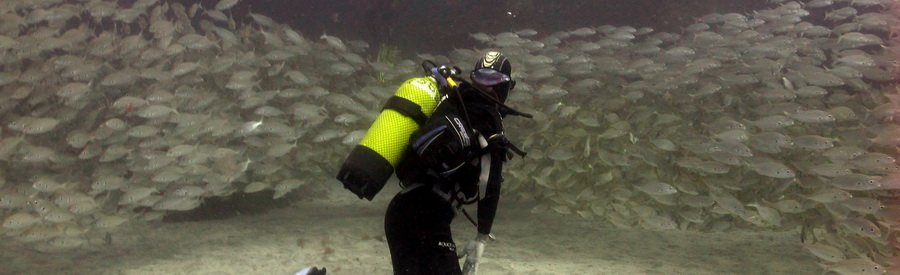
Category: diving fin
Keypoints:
(311, 271)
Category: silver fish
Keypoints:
(856, 182)
(811, 92)
(863, 205)
(225, 4)
(813, 142)
(655, 188)
(771, 168)
(773, 122)
(155, 111)
(20, 220)
(334, 42)
(861, 226)
(813, 116)
(825, 252)
(873, 161)
(110, 221)
(831, 169)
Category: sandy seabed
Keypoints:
(347, 236)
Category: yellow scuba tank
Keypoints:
(371, 163)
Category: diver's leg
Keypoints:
(401, 238)
(417, 228)
(441, 253)
(437, 241)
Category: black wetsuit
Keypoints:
(417, 223)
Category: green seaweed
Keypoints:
(388, 55)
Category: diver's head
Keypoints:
(493, 73)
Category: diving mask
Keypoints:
(502, 83)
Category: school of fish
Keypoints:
(781, 119)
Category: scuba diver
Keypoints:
(455, 158)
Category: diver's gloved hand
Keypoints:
(473, 252)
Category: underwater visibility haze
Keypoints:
(668, 137)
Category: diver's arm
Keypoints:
(487, 205)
